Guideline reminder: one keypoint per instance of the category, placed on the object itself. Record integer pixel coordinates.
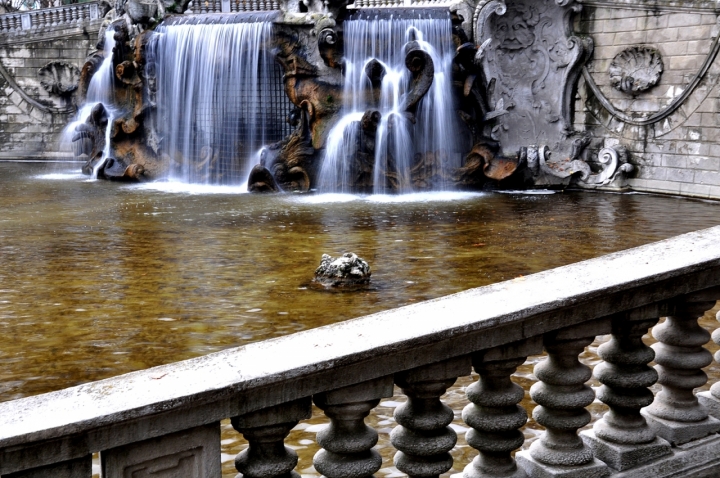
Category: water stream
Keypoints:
(212, 114)
(382, 37)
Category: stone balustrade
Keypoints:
(65, 16)
(233, 6)
(164, 421)
(399, 3)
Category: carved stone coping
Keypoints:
(70, 423)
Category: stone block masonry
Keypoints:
(31, 119)
(679, 153)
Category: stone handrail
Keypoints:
(232, 6)
(66, 15)
(164, 415)
(399, 3)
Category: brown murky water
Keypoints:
(99, 279)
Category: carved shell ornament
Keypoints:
(636, 69)
(59, 78)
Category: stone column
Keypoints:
(676, 415)
(562, 397)
(265, 430)
(347, 442)
(622, 438)
(711, 400)
(494, 414)
(423, 437)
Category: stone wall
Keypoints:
(31, 118)
(676, 153)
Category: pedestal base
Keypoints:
(621, 457)
(678, 433)
(594, 469)
(711, 403)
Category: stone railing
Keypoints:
(233, 6)
(167, 418)
(67, 15)
(400, 3)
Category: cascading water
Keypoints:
(101, 90)
(213, 112)
(400, 145)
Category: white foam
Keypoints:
(175, 187)
(529, 192)
(61, 176)
(424, 197)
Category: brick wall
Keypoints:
(680, 154)
(26, 131)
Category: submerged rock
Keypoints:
(346, 271)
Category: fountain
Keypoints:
(380, 100)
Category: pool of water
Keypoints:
(100, 278)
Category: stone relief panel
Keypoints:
(636, 69)
(531, 66)
(194, 452)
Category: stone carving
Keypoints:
(531, 67)
(59, 78)
(348, 270)
(636, 69)
(194, 452)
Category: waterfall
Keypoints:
(101, 89)
(400, 144)
(213, 112)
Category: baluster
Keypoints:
(622, 437)
(54, 17)
(562, 396)
(494, 414)
(676, 415)
(3, 23)
(347, 442)
(423, 437)
(711, 400)
(265, 430)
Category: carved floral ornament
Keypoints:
(636, 69)
(59, 78)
